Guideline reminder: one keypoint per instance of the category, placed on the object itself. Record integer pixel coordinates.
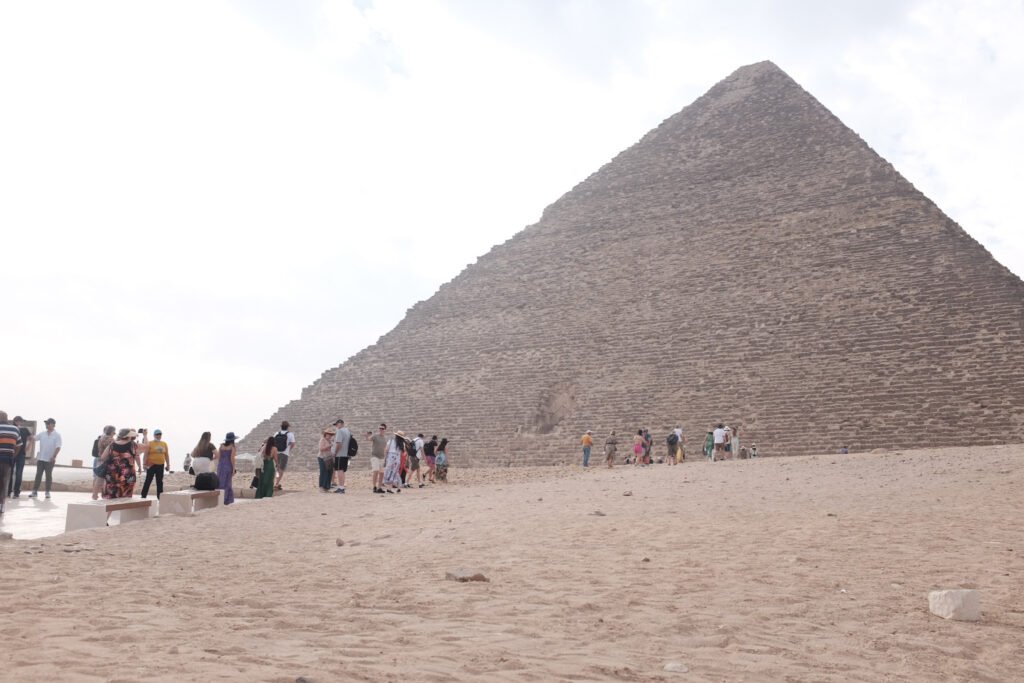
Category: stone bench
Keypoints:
(95, 513)
(186, 501)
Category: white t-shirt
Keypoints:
(719, 435)
(418, 442)
(341, 440)
(679, 433)
(48, 442)
(291, 442)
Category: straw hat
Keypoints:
(399, 432)
(330, 430)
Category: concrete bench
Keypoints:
(94, 513)
(184, 502)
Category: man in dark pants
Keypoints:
(157, 458)
(19, 460)
(10, 439)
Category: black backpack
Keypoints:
(672, 439)
(281, 441)
(353, 447)
(96, 448)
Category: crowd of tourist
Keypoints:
(721, 443)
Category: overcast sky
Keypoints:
(204, 203)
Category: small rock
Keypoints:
(646, 559)
(628, 493)
(597, 513)
(464, 575)
(6, 536)
(960, 604)
(831, 514)
(303, 679)
(173, 650)
(676, 667)
(340, 542)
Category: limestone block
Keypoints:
(958, 604)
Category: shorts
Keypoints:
(431, 461)
(376, 464)
(719, 447)
(340, 463)
(414, 462)
(282, 462)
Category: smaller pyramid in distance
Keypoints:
(749, 261)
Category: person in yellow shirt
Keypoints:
(588, 443)
(156, 458)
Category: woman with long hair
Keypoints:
(638, 448)
(441, 461)
(118, 460)
(266, 486)
(202, 454)
(392, 464)
(226, 467)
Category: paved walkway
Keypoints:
(37, 517)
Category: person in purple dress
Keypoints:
(226, 467)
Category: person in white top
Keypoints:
(341, 441)
(50, 444)
(719, 437)
(287, 439)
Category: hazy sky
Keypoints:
(205, 204)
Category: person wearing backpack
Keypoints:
(672, 441)
(284, 441)
(342, 441)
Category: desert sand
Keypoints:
(809, 568)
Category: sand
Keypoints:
(780, 569)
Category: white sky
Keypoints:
(202, 202)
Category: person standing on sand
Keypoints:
(430, 457)
(266, 486)
(638, 448)
(226, 467)
(736, 442)
(611, 444)
(718, 436)
(341, 443)
(728, 441)
(325, 459)
(441, 461)
(378, 454)
(416, 460)
(588, 442)
(50, 444)
(118, 463)
(284, 442)
(393, 463)
(10, 440)
(709, 444)
(156, 457)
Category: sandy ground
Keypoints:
(781, 569)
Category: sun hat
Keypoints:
(330, 430)
(399, 432)
(127, 433)
(230, 437)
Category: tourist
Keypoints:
(14, 488)
(671, 444)
(186, 464)
(441, 462)
(378, 453)
(202, 454)
(430, 457)
(753, 450)
(718, 436)
(142, 433)
(102, 442)
(680, 454)
(226, 467)
(117, 464)
(10, 440)
(49, 448)
(588, 442)
(735, 442)
(416, 459)
(408, 456)
(709, 445)
(156, 458)
(325, 459)
(392, 482)
(728, 442)
(284, 441)
(341, 444)
(648, 445)
(638, 448)
(270, 461)
(611, 444)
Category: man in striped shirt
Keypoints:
(10, 440)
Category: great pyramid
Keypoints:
(751, 260)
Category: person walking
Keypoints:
(10, 440)
(587, 442)
(156, 458)
(49, 448)
(728, 441)
(441, 461)
(416, 460)
(270, 455)
(14, 488)
(325, 459)
(226, 467)
(378, 456)
(284, 442)
(638, 448)
(735, 443)
(430, 457)
(118, 465)
(718, 437)
(392, 482)
(709, 444)
(611, 444)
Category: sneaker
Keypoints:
(422, 485)
(47, 496)
(33, 495)
(339, 490)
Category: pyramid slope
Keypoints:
(750, 260)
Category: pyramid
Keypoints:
(749, 261)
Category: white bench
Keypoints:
(94, 513)
(184, 502)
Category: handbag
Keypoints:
(100, 471)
